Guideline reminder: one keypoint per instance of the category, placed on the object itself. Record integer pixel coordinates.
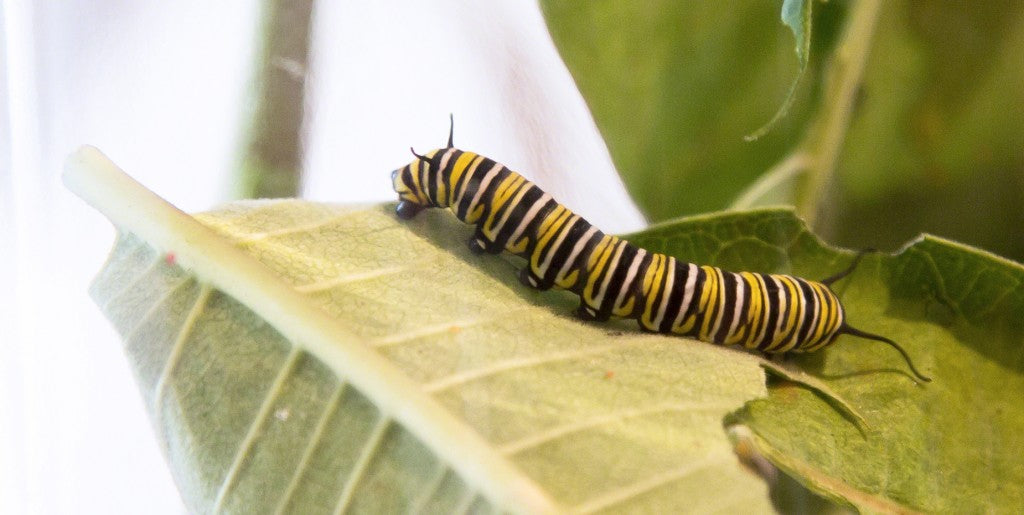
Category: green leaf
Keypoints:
(952, 446)
(796, 14)
(949, 446)
(934, 143)
(256, 414)
(305, 356)
(674, 86)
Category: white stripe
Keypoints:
(563, 233)
(741, 285)
(666, 291)
(630, 276)
(765, 301)
(466, 174)
(619, 248)
(448, 187)
(684, 307)
(782, 310)
(795, 305)
(483, 187)
(721, 304)
(580, 245)
(528, 218)
(816, 321)
(511, 206)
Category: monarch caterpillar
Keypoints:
(768, 312)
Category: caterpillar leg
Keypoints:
(528, 278)
(585, 312)
(476, 245)
(407, 210)
(643, 327)
(480, 243)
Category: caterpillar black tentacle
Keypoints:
(768, 312)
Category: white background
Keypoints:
(162, 89)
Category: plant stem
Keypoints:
(270, 164)
(784, 171)
(842, 82)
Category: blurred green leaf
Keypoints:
(675, 86)
(934, 143)
(796, 14)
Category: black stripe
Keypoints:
(474, 185)
(772, 311)
(808, 319)
(728, 288)
(519, 210)
(697, 312)
(580, 263)
(675, 296)
(618, 276)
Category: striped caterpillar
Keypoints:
(768, 312)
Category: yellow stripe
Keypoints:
(627, 308)
(755, 309)
(549, 228)
(598, 261)
(747, 323)
(796, 309)
(458, 168)
(655, 272)
(828, 319)
(763, 302)
(822, 316)
(417, 187)
(505, 191)
(709, 301)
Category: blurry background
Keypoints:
(936, 144)
(167, 93)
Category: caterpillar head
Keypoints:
(411, 183)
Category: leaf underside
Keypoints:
(601, 416)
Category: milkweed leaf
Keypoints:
(401, 372)
(394, 330)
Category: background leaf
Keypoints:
(674, 87)
(933, 145)
(947, 446)
(796, 14)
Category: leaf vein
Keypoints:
(559, 431)
(362, 464)
(518, 363)
(172, 359)
(619, 495)
(314, 439)
(254, 429)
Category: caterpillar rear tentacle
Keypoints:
(768, 312)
